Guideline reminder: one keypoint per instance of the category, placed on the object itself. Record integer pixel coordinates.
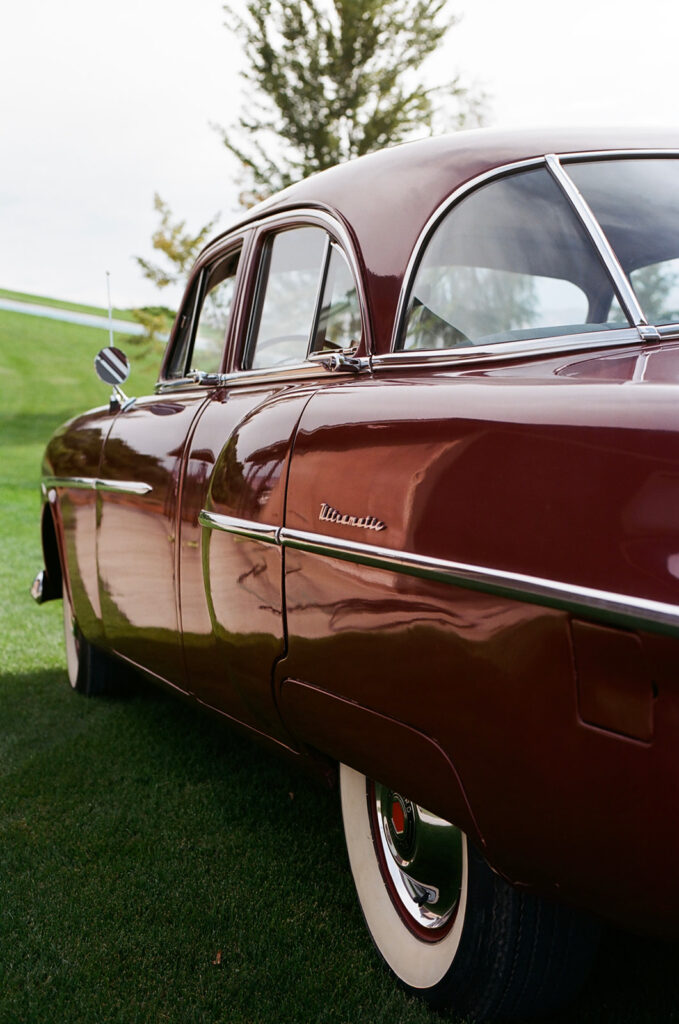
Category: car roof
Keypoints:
(385, 198)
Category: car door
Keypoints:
(141, 469)
(300, 327)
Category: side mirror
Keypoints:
(113, 367)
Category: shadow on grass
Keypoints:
(176, 863)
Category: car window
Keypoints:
(339, 320)
(213, 319)
(285, 308)
(636, 201)
(510, 261)
(306, 300)
(205, 318)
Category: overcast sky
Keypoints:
(103, 104)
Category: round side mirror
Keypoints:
(112, 366)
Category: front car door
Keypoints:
(141, 471)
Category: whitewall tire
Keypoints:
(449, 928)
(90, 671)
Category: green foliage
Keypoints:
(156, 321)
(178, 245)
(328, 81)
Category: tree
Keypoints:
(332, 79)
(179, 246)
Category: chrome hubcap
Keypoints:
(422, 854)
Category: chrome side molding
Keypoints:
(618, 609)
(240, 527)
(91, 483)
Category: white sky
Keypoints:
(101, 105)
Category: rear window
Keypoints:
(636, 201)
(510, 261)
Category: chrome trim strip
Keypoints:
(77, 483)
(618, 608)
(312, 370)
(90, 483)
(668, 332)
(123, 486)
(505, 349)
(164, 387)
(239, 527)
(615, 154)
(591, 225)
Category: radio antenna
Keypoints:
(110, 311)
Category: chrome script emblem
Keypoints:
(332, 515)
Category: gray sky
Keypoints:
(104, 104)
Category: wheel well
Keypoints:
(50, 551)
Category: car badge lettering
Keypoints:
(332, 515)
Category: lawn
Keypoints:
(76, 307)
(155, 866)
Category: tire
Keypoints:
(450, 929)
(90, 671)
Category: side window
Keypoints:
(508, 262)
(306, 300)
(205, 319)
(339, 320)
(218, 291)
(287, 292)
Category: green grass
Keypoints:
(155, 867)
(76, 307)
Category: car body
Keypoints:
(416, 513)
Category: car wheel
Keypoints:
(91, 671)
(448, 927)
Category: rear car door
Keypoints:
(300, 315)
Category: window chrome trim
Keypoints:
(619, 609)
(554, 344)
(431, 225)
(595, 232)
(505, 349)
(91, 483)
(298, 371)
(318, 367)
(339, 233)
(615, 154)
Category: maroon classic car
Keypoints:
(406, 501)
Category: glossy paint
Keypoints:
(574, 483)
(75, 452)
(546, 731)
(137, 536)
(231, 587)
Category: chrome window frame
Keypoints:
(637, 331)
(239, 241)
(259, 293)
(311, 368)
